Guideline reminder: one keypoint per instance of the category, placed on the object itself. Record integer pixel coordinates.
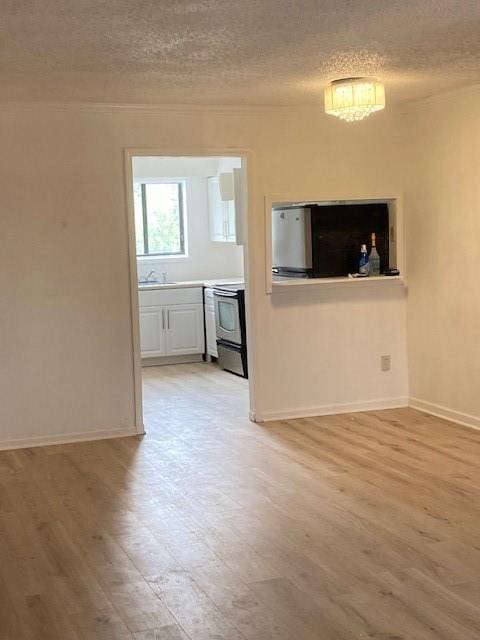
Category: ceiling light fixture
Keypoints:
(353, 99)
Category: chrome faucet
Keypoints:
(149, 278)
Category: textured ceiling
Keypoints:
(226, 51)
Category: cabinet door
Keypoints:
(230, 226)
(216, 216)
(185, 333)
(226, 186)
(211, 330)
(152, 334)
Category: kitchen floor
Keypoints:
(336, 528)
(184, 399)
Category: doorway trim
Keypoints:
(196, 152)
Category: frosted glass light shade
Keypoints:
(354, 98)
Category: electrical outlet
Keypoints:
(385, 363)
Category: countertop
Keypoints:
(280, 283)
(185, 284)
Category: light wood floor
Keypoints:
(363, 526)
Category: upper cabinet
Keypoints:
(226, 206)
(226, 186)
(216, 211)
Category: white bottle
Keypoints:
(374, 258)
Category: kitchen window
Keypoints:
(160, 218)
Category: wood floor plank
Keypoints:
(170, 632)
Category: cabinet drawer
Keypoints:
(163, 297)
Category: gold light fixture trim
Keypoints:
(354, 99)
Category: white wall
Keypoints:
(65, 361)
(329, 358)
(206, 260)
(443, 240)
(320, 351)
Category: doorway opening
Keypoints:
(188, 231)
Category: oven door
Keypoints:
(227, 317)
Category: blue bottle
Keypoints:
(364, 266)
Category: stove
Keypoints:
(231, 328)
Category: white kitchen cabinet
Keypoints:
(184, 330)
(227, 185)
(210, 326)
(159, 296)
(230, 226)
(152, 334)
(221, 214)
(216, 211)
(227, 206)
(171, 322)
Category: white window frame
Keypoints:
(177, 257)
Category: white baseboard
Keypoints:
(166, 360)
(440, 411)
(66, 438)
(332, 409)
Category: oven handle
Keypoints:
(224, 294)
